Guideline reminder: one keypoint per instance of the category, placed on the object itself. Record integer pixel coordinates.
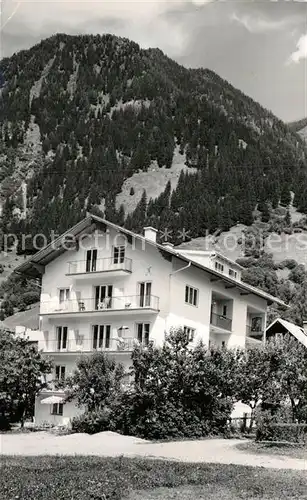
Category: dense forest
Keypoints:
(81, 114)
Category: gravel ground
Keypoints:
(112, 444)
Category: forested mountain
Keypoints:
(80, 114)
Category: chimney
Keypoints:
(168, 244)
(305, 326)
(150, 233)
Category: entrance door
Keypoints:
(145, 293)
(103, 296)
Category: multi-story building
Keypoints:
(105, 288)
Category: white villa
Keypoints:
(105, 288)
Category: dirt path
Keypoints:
(112, 444)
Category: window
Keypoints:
(232, 273)
(119, 254)
(61, 336)
(59, 372)
(57, 409)
(219, 267)
(64, 294)
(224, 311)
(223, 343)
(191, 295)
(101, 336)
(91, 260)
(143, 333)
(189, 332)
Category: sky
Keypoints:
(258, 46)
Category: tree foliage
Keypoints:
(23, 373)
(95, 381)
(275, 375)
(179, 391)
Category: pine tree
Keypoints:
(285, 196)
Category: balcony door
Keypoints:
(91, 261)
(145, 293)
(101, 336)
(64, 296)
(103, 297)
(61, 338)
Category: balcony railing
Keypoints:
(254, 331)
(100, 265)
(121, 303)
(91, 345)
(221, 321)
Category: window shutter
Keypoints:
(46, 337)
(77, 337)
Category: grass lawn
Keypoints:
(282, 450)
(86, 478)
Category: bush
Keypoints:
(177, 392)
(270, 430)
(92, 422)
(169, 420)
(5, 424)
(288, 263)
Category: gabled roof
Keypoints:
(293, 329)
(34, 266)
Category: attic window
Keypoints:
(232, 273)
(219, 267)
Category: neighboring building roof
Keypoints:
(34, 266)
(208, 253)
(27, 319)
(295, 330)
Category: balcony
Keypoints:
(255, 332)
(83, 268)
(117, 345)
(123, 305)
(220, 323)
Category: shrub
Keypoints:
(5, 424)
(288, 263)
(167, 420)
(178, 392)
(264, 422)
(270, 430)
(92, 422)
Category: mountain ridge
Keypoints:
(83, 115)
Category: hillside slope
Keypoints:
(299, 127)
